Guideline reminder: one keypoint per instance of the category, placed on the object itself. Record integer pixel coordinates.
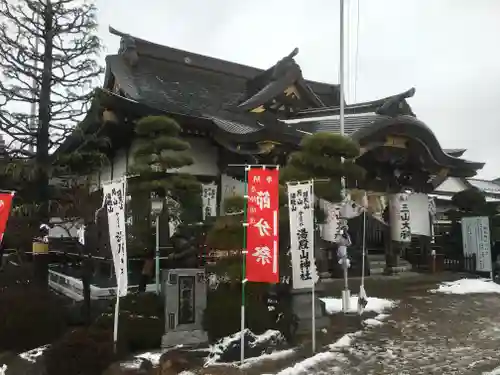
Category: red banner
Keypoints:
(5, 205)
(262, 230)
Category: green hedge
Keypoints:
(141, 321)
(222, 316)
(87, 351)
(29, 318)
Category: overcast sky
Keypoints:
(447, 49)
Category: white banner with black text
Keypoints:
(209, 199)
(114, 199)
(301, 212)
(400, 222)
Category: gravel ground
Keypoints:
(426, 334)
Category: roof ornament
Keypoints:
(128, 50)
(285, 65)
(396, 105)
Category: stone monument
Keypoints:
(185, 293)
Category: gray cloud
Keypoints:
(446, 49)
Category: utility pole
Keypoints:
(346, 294)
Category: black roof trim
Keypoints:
(274, 81)
(365, 107)
(416, 129)
(456, 152)
(147, 48)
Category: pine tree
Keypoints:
(319, 158)
(48, 58)
(159, 152)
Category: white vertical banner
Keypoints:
(209, 200)
(330, 228)
(476, 240)
(483, 260)
(301, 212)
(81, 235)
(399, 211)
(420, 222)
(114, 199)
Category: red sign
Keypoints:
(5, 205)
(262, 229)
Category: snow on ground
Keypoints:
(274, 356)
(221, 346)
(468, 286)
(338, 348)
(153, 357)
(305, 366)
(378, 305)
(493, 372)
(33, 354)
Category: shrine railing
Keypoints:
(443, 262)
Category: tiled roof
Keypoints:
(352, 123)
(485, 186)
(198, 91)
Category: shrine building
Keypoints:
(237, 114)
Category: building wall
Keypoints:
(204, 153)
(230, 187)
(120, 163)
(105, 174)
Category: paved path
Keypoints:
(427, 334)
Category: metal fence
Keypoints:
(443, 262)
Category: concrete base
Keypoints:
(302, 308)
(185, 338)
(346, 300)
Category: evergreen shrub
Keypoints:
(29, 318)
(222, 316)
(141, 321)
(84, 351)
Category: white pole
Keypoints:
(346, 294)
(341, 68)
(117, 315)
(313, 292)
(157, 255)
(364, 244)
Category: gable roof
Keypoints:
(173, 79)
(488, 187)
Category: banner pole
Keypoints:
(157, 254)
(243, 267)
(117, 314)
(313, 291)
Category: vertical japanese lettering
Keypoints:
(262, 228)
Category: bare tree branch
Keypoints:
(76, 49)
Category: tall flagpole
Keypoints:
(243, 267)
(346, 294)
(341, 73)
(313, 289)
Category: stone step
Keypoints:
(376, 263)
(399, 269)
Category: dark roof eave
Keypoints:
(267, 93)
(416, 129)
(365, 107)
(211, 63)
(109, 100)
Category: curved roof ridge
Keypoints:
(164, 52)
